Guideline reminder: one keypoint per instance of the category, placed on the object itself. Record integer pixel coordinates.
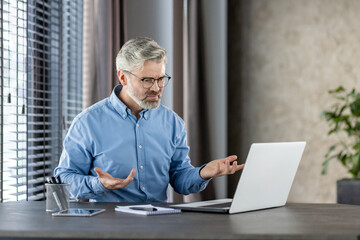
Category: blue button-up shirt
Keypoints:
(108, 136)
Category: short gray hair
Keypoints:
(135, 52)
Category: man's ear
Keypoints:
(122, 77)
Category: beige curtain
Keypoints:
(189, 94)
(104, 34)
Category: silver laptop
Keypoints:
(265, 182)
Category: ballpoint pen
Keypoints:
(57, 200)
(144, 208)
(48, 180)
(53, 179)
(58, 179)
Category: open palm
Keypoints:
(110, 182)
(220, 167)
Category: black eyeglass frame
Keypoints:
(150, 78)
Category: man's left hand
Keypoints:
(220, 167)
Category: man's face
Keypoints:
(146, 98)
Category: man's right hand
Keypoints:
(110, 182)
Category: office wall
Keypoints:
(292, 53)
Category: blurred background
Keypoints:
(242, 72)
(286, 55)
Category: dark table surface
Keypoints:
(293, 221)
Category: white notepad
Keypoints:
(158, 211)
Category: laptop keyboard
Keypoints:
(219, 205)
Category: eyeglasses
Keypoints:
(148, 82)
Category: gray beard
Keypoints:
(143, 103)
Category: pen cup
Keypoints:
(57, 197)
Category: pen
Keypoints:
(144, 208)
(57, 200)
(59, 179)
(53, 179)
(48, 179)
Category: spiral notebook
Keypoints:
(146, 209)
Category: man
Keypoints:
(128, 147)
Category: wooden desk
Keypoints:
(294, 221)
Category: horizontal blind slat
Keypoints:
(38, 51)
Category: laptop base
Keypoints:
(206, 206)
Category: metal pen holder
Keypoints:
(57, 197)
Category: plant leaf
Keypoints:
(354, 169)
(332, 148)
(329, 115)
(344, 159)
(347, 122)
(356, 147)
(339, 156)
(344, 117)
(353, 172)
(357, 126)
(355, 107)
(340, 98)
(337, 90)
(325, 164)
(325, 167)
(352, 93)
(332, 131)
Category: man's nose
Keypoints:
(155, 86)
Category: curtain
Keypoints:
(104, 34)
(235, 43)
(189, 97)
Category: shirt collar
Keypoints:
(121, 108)
(146, 113)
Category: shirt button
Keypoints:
(141, 167)
(124, 115)
(140, 146)
(137, 125)
(143, 188)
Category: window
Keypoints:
(41, 78)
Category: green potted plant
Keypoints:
(343, 118)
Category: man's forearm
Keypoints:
(81, 187)
(188, 181)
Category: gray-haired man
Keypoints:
(128, 147)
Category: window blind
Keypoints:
(72, 43)
(41, 49)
